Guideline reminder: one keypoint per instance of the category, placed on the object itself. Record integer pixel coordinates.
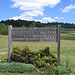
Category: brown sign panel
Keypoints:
(34, 34)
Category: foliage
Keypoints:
(23, 26)
(41, 58)
(58, 70)
(68, 63)
(19, 23)
(62, 70)
(16, 67)
(32, 24)
(3, 29)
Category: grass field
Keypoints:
(67, 30)
(67, 34)
(67, 49)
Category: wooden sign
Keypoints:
(34, 35)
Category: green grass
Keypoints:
(6, 73)
(3, 43)
(69, 36)
(67, 49)
(26, 73)
(16, 67)
(66, 30)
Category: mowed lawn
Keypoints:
(67, 48)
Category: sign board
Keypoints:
(51, 34)
(34, 34)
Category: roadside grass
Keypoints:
(67, 49)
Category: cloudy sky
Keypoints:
(38, 10)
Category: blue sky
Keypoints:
(38, 10)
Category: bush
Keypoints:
(58, 70)
(16, 67)
(41, 58)
(62, 70)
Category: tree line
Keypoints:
(24, 23)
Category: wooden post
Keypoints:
(9, 42)
(58, 48)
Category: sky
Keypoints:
(38, 10)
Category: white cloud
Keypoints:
(22, 18)
(32, 8)
(34, 4)
(68, 8)
(46, 19)
(33, 13)
(59, 18)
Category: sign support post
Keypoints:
(9, 42)
(58, 47)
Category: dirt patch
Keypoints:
(37, 72)
(4, 49)
(72, 33)
(3, 53)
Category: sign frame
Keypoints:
(10, 40)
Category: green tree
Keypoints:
(23, 26)
(3, 29)
(32, 24)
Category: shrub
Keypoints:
(58, 70)
(62, 70)
(41, 58)
(16, 67)
(16, 54)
